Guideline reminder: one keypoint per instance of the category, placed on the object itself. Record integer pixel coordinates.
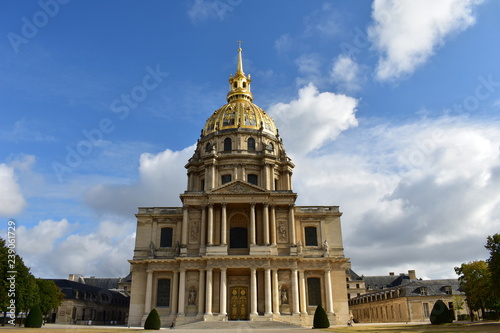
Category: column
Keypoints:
(291, 219)
(273, 225)
(276, 294)
(273, 187)
(266, 176)
(266, 223)
(185, 220)
(149, 291)
(208, 298)
(201, 292)
(175, 296)
(203, 231)
(182, 292)
(267, 291)
(253, 291)
(252, 223)
(328, 288)
(212, 176)
(295, 292)
(223, 292)
(235, 171)
(223, 236)
(210, 226)
(302, 291)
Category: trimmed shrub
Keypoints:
(440, 313)
(153, 321)
(34, 318)
(320, 318)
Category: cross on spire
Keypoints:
(239, 43)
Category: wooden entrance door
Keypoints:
(239, 303)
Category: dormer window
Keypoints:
(423, 291)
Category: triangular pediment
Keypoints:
(238, 187)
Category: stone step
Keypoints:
(236, 325)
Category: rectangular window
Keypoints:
(311, 236)
(426, 310)
(252, 179)
(225, 179)
(166, 237)
(314, 291)
(163, 292)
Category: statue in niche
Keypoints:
(325, 248)
(192, 296)
(282, 230)
(284, 296)
(151, 250)
(299, 247)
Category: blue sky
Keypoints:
(389, 109)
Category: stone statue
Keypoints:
(284, 296)
(325, 248)
(299, 247)
(152, 249)
(192, 297)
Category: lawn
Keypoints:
(446, 328)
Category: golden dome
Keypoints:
(240, 112)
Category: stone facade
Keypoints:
(238, 248)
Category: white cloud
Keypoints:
(162, 178)
(102, 253)
(415, 196)
(314, 118)
(407, 33)
(346, 73)
(12, 200)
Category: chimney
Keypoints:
(391, 273)
(412, 274)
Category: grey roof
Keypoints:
(385, 281)
(103, 283)
(352, 275)
(433, 287)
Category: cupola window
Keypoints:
(253, 179)
(228, 144)
(208, 147)
(251, 144)
(225, 179)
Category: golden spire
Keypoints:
(239, 85)
(239, 69)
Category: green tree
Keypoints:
(50, 295)
(34, 318)
(474, 278)
(320, 318)
(493, 246)
(26, 289)
(152, 321)
(440, 313)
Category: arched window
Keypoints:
(208, 147)
(252, 179)
(228, 144)
(251, 144)
(270, 146)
